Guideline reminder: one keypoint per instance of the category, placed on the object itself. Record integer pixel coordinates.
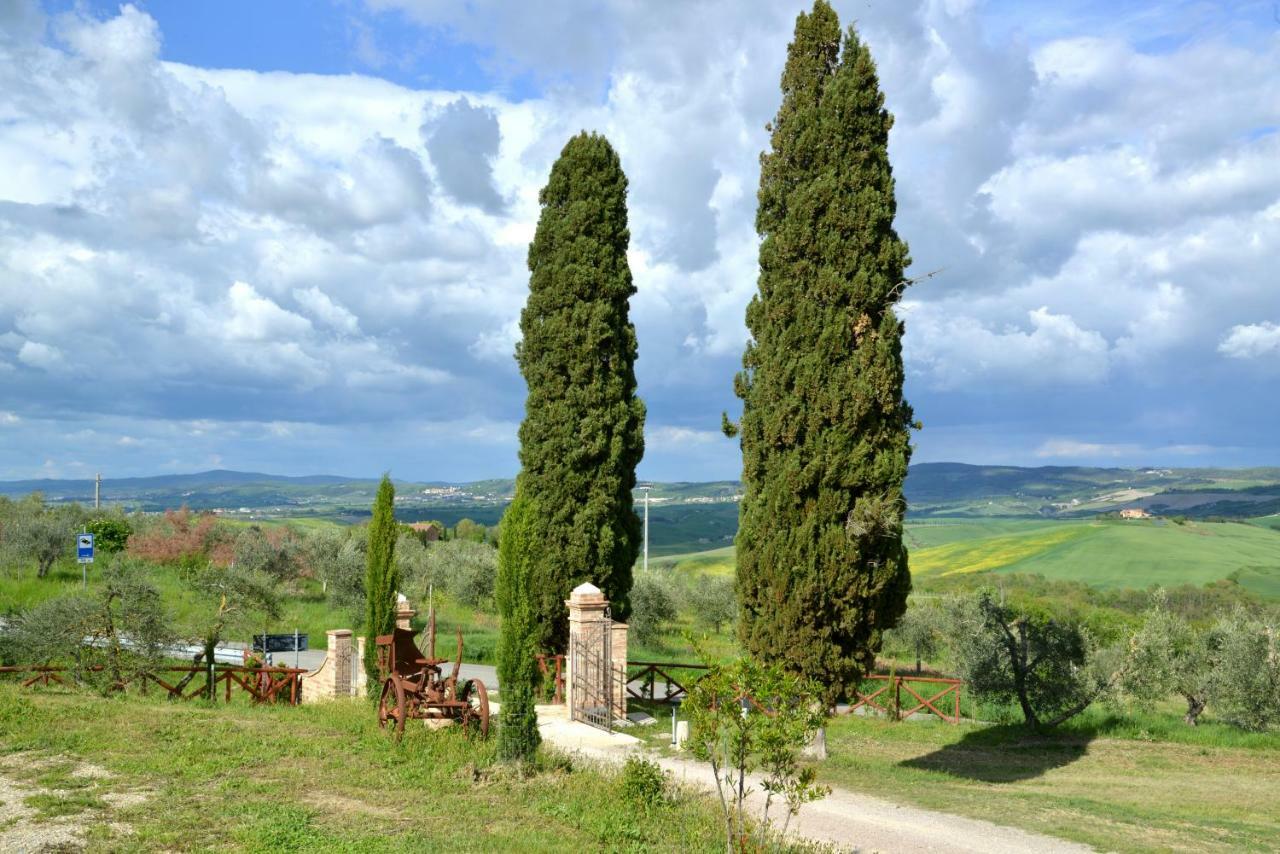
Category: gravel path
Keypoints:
(846, 819)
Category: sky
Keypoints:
(291, 236)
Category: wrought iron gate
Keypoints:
(598, 687)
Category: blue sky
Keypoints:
(290, 236)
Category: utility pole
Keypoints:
(645, 489)
(97, 491)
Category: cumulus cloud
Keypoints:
(1251, 341)
(231, 246)
(953, 351)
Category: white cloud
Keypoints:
(953, 351)
(252, 317)
(666, 436)
(1102, 213)
(322, 308)
(8, 419)
(1074, 449)
(39, 355)
(1251, 341)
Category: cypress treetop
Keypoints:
(583, 431)
(822, 570)
(382, 579)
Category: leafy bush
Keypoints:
(180, 537)
(652, 608)
(747, 715)
(644, 784)
(110, 532)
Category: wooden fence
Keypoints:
(262, 684)
(648, 674)
(889, 696)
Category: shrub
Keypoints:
(652, 608)
(644, 784)
(747, 715)
(179, 536)
(110, 532)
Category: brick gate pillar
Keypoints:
(589, 625)
(404, 612)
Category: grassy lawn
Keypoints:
(1150, 784)
(317, 778)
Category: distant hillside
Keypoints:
(704, 515)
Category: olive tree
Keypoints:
(713, 600)
(1166, 655)
(1244, 684)
(1051, 668)
(652, 608)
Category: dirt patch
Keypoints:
(332, 803)
(48, 817)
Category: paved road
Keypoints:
(313, 658)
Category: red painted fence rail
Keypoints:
(890, 691)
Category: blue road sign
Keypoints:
(84, 548)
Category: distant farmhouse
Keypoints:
(1134, 513)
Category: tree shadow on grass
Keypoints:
(1004, 754)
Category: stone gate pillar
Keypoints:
(591, 632)
(404, 612)
(334, 678)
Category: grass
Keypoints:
(1120, 785)
(325, 778)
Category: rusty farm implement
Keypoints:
(414, 686)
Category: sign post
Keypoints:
(84, 555)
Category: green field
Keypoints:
(1108, 554)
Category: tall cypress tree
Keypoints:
(583, 431)
(822, 570)
(381, 579)
(518, 558)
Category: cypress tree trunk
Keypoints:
(518, 555)
(822, 569)
(582, 434)
(382, 580)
